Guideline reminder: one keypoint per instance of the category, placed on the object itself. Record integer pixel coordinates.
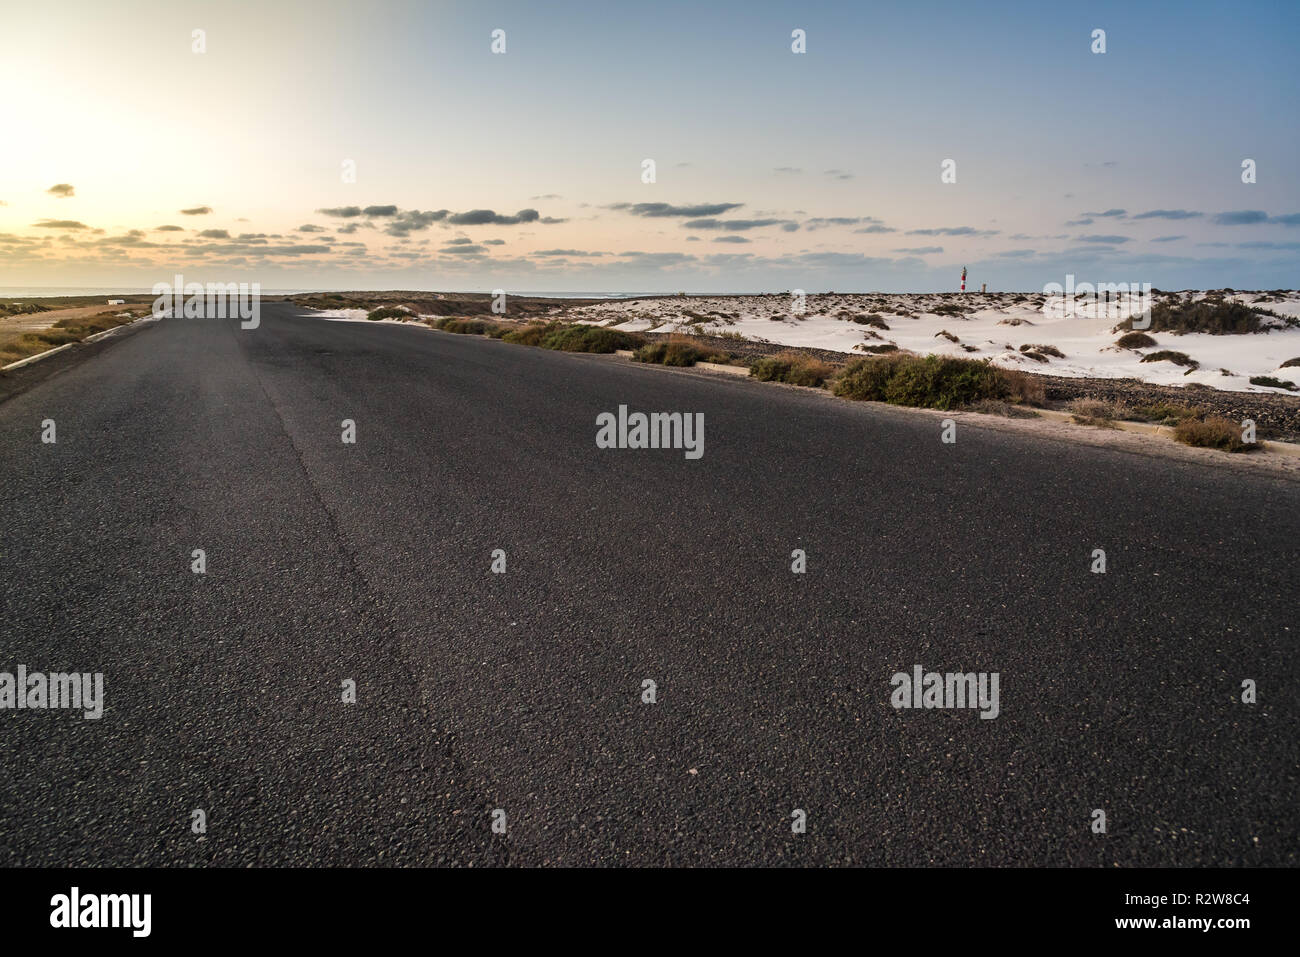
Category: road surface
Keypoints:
(522, 692)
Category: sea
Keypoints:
(32, 292)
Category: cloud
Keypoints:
(731, 239)
(1106, 240)
(196, 211)
(1086, 221)
(255, 249)
(838, 174)
(844, 260)
(413, 220)
(62, 190)
(483, 217)
(1168, 214)
(351, 212)
(494, 242)
(1109, 212)
(734, 225)
(1167, 239)
(876, 228)
(921, 250)
(658, 260)
(565, 252)
(311, 228)
(546, 196)
(60, 224)
(133, 239)
(214, 234)
(787, 169)
(1268, 245)
(665, 209)
(817, 222)
(471, 250)
(1241, 217)
(170, 229)
(953, 231)
(1291, 219)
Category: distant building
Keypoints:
(117, 302)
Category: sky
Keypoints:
(384, 145)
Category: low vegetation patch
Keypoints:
(72, 329)
(1164, 413)
(33, 343)
(1047, 350)
(1098, 412)
(571, 337)
(935, 382)
(468, 327)
(575, 338)
(792, 369)
(1271, 382)
(1290, 362)
(21, 308)
(1214, 316)
(1168, 355)
(1005, 409)
(1213, 432)
(387, 312)
(671, 353)
(1135, 340)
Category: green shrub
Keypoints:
(529, 335)
(388, 312)
(577, 338)
(936, 382)
(464, 327)
(671, 353)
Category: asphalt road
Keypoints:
(522, 691)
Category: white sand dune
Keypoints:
(996, 328)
